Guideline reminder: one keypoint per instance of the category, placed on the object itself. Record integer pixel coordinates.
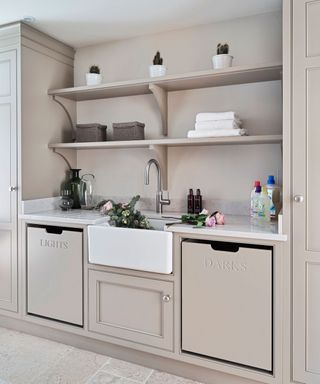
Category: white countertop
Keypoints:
(74, 216)
(235, 226)
(82, 216)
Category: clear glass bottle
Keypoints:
(86, 191)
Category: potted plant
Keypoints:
(93, 77)
(157, 69)
(222, 59)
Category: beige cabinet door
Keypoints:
(306, 191)
(8, 174)
(131, 308)
(55, 273)
(227, 302)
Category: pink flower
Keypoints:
(219, 218)
(106, 207)
(210, 221)
(204, 212)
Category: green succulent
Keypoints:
(222, 49)
(94, 69)
(157, 60)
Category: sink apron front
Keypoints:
(144, 250)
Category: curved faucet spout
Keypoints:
(147, 172)
(159, 200)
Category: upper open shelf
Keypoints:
(172, 142)
(191, 80)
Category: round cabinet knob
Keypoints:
(13, 189)
(298, 198)
(166, 298)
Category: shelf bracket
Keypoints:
(68, 116)
(162, 156)
(161, 97)
(64, 158)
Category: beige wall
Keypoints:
(225, 173)
(43, 121)
(252, 40)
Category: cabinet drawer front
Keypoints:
(227, 303)
(131, 308)
(54, 271)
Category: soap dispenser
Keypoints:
(190, 201)
(198, 202)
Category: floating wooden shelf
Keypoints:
(191, 80)
(167, 142)
(160, 86)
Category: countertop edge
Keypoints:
(188, 230)
(226, 233)
(56, 219)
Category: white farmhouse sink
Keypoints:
(144, 250)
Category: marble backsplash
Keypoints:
(180, 205)
(146, 204)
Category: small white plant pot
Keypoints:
(93, 78)
(157, 70)
(222, 61)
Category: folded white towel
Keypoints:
(208, 116)
(218, 124)
(217, 133)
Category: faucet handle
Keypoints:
(164, 198)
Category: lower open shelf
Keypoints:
(167, 142)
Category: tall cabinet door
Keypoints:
(306, 190)
(8, 175)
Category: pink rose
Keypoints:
(106, 207)
(109, 205)
(204, 212)
(210, 221)
(219, 218)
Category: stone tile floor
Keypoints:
(26, 359)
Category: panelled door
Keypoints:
(306, 191)
(8, 180)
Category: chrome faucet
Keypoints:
(160, 201)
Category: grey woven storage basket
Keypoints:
(133, 130)
(90, 133)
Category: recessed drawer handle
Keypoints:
(54, 230)
(224, 246)
(166, 298)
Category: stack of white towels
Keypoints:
(217, 124)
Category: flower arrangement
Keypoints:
(124, 214)
(204, 219)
